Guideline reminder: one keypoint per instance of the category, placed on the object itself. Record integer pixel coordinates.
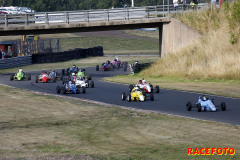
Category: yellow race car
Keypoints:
(136, 95)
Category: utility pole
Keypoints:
(132, 3)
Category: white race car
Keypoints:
(79, 81)
(205, 104)
(146, 87)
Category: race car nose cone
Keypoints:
(141, 98)
(44, 79)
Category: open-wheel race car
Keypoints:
(71, 70)
(136, 95)
(20, 75)
(205, 104)
(70, 87)
(145, 87)
(45, 77)
(79, 81)
(110, 66)
(55, 74)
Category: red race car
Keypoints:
(44, 77)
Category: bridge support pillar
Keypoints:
(160, 29)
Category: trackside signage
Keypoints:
(210, 151)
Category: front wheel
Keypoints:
(58, 89)
(84, 90)
(151, 97)
(130, 88)
(97, 68)
(157, 89)
(223, 106)
(12, 77)
(36, 79)
(189, 106)
(129, 98)
(123, 96)
(199, 108)
(92, 84)
(29, 77)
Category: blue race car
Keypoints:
(70, 87)
(69, 71)
(205, 104)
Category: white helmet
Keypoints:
(204, 98)
(143, 81)
(20, 70)
(73, 74)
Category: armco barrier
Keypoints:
(67, 55)
(15, 62)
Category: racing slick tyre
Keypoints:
(63, 71)
(64, 91)
(12, 77)
(189, 106)
(89, 77)
(151, 86)
(151, 97)
(129, 98)
(36, 79)
(118, 66)
(29, 77)
(157, 89)
(123, 96)
(61, 77)
(111, 67)
(68, 71)
(97, 68)
(58, 89)
(223, 106)
(130, 88)
(84, 90)
(144, 93)
(92, 84)
(199, 108)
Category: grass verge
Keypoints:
(226, 88)
(63, 128)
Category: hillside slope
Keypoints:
(215, 56)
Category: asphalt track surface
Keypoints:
(167, 101)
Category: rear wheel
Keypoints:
(58, 89)
(144, 92)
(123, 96)
(130, 87)
(223, 106)
(118, 66)
(63, 71)
(129, 98)
(199, 108)
(84, 90)
(157, 89)
(151, 97)
(53, 79)
(89, 77)
(189, 106)
(97, 68)
(36, 79)
(61, 77)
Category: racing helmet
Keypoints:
(140, 81)
(143, 81)
(204, 98)
(74, 66)
(53, 70)
(73, 74)
(83, 70)
(43, 71)
(20, 70)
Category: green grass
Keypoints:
(64, 128)
(229, 88)
(111, 45)
(84, 62)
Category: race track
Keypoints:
(167, 101)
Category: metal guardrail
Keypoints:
(15, 62)
(89, 16)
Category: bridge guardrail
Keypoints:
(88, 16)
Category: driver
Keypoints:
(143, 81)
(82, 73)
(44, 72)
(53, 73)
(204, 98)
(140, 82)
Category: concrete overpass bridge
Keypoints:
(171, 35)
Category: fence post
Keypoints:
(46, 18)
(26, 22)
(6, 20)
(108, 15)
(67, 17)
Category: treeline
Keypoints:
(67, 5)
